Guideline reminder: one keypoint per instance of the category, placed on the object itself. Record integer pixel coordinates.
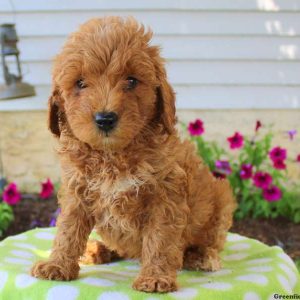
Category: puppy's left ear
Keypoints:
(165, 100)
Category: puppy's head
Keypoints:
(110, 85)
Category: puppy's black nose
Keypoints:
(106, 121)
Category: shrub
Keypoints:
(257, 172)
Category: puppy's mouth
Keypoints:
(106, 134)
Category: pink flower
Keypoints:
(277, 153)
(236, 141)
(292, 133)
(272, 193)
(279, 164)
(223, 166)
(262, 180)
(11, 194)
(196, 128)
(257, 126)
(298, 158)
(246, 171)
(47, 189)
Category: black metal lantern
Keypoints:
(14, 87)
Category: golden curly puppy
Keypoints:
(125, 171)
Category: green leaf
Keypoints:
(6, 216)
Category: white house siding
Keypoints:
(236, 54)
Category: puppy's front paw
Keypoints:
(160, 284)
(55, 271)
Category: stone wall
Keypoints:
(28, 147)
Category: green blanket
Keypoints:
(252, 271)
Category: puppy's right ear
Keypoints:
(54, 112)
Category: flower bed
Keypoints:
(257, 172)
(12, 199)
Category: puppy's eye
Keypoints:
(80, 84)
(131, 83)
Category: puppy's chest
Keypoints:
(107, 187)
(112, 178)
(117, 192)
(121, 209)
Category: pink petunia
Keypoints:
(236, 141)
(223, 166)
(11, 194)
(272, 193)
(258, 125)
(298, 158)
(262, 180)
(279, 164)
(47, 189)
(246, 171)
(277, 153)
(196, 128)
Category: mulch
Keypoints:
(32, 212)
(280, 232)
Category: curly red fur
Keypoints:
(146, 192)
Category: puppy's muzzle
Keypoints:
(106, 121)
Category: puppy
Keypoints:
(125, 172)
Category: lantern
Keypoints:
(13, 87)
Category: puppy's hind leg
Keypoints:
(204, 254)
(97, 253)
(197, 259)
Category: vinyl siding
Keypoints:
(221, 54)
